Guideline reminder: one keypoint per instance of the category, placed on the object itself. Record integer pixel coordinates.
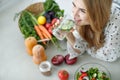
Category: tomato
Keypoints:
(82, 76)
(41, 20)
(63, 75)
(54, 21)
(50, 30)
(48, 25)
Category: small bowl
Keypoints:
(45, 68)
(87, 66)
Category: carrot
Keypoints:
(43, 29)
(39, 33)
(45, 36)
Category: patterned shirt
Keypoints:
(111, 48)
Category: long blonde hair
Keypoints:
(98, 12)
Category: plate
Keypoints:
(87, 66)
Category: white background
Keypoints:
(16, 64)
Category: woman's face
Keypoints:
(80, 13)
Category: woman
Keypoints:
(97, 29)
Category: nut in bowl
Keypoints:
(92, 71)
(45, 68)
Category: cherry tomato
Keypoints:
(54, 21)
(48, 25)
(63, 75)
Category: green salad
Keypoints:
(91, 74)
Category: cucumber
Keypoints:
(67, 25)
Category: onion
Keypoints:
(70, 61)
(83, 71)
(57, 60)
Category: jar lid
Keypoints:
(45, 66)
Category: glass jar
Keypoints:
(65, 26)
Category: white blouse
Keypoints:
(111, 48)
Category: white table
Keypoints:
(16, 64)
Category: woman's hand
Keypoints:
(71, 39)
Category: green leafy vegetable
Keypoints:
(26, 25)
(51, 5)
(93, 73)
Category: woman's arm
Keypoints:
(75, 45)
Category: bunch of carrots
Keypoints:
(42, 32)
(40, 29)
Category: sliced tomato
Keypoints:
(82, 76)
(80, 79)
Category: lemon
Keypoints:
(41, 20)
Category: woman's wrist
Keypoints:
(70, 38)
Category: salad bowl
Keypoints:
(92, 71)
